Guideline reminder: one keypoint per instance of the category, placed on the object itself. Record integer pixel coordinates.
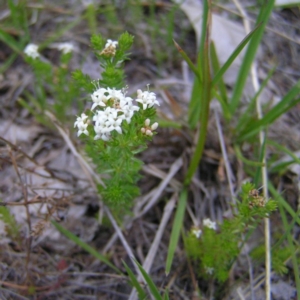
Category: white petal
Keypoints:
(154, 126)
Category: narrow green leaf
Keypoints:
(8, 62)
(222, 95)
(280, 108)
(189, 62)
(153, 289)
(247, 117)
(224, 105)
(142, 294)
(10, 41)
(276, 196)
(244, 159)
(258, 173)
(196, 103)
(166, 295)
(292, 249)
(233, 56)
(203, 105)
(85, 246)
(91, 17)
(177, 225)
(216, 68)
(262, 20)
(285, 150)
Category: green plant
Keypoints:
(120, 128)
(51, 80)
(215, 249)
(12, 229)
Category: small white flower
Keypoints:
(210, 224)
(99, 97)
(127, 115)
(114, 124)
(147, 99)
(111, 43)
(209, 270)
(128, 111)
(65, 47)
(115, 94)
(102, 131)
(154, 126)
(102, 116)
(197, 232)
(31, 50)
(122, 102)
(81, 124)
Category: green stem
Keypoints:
(205, 97)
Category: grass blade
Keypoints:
(216, 68)
(188, 61)
(166, 295)
(247, 117)
(85, 246)
(10, 41)
(202, 106)
(262, 20)
(249, 162)
(292, 249)
(153, 289)
(284, 105)
(142, 294)
(222, 95)
(282, 202)
(197, 103)
(233, 56)
(177, 225)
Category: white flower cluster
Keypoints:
(64, 47)
(147, 99)
(81, 124)
(147, 130)
(210, 224)
(32, 51)
(196, 232)
(111, 43)
(113, 107)
(110, 48)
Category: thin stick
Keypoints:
(156, 242)
(25, 195)
(122, 238)
(226, 160)
(173, 170)
(85, 166)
